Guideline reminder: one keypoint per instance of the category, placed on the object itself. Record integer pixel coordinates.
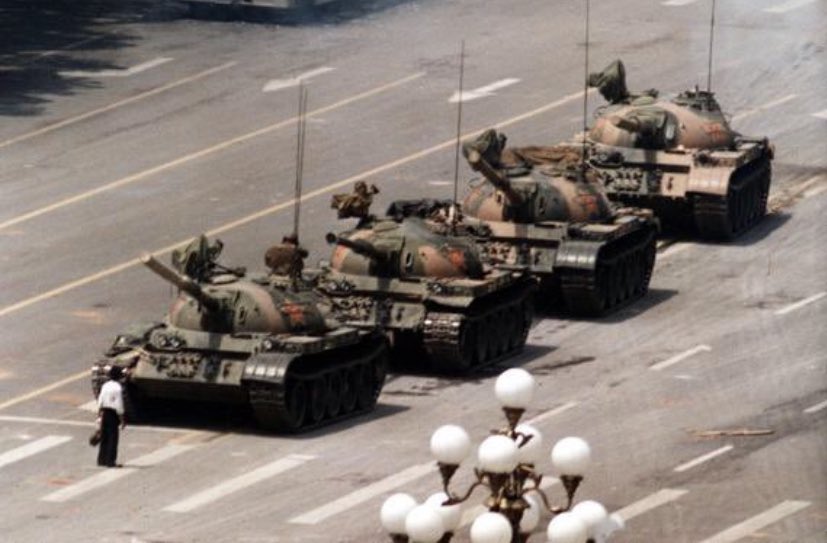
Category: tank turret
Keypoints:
(183, 282)
(527, 185)
(678, 156)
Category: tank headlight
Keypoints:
(267, 345)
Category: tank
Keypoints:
(266, 341)
(536, 207)
(444, 310)
(680, 157)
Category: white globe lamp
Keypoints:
(515, 388)
(451, 514)
(567, 528)
(571, 456)
(394, 511)
(498, 454)
(424, 525)
(491, 528)
(532, 450)
(450, 444)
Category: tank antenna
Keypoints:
(459, 120)
(585, 95)
(711, 35)
(300, 131)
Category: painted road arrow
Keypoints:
(125, 72)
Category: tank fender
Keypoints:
(268, 367)
(714, 180)
(580, 255)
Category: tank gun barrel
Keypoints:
(360, 246)
(181, 281)
(479, 164)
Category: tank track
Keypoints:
(724, 218)
(317, 390)
(460, 342)
(620, 277)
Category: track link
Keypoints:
(460, 342)
(318, 390)
(725, 218)
(620, 277)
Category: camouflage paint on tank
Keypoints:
(269, 341)
(546, 196)
(678, 156)
(406, 249)
(683, 126)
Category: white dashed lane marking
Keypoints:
(821, 114)
(798, 305)
(30, 449)
(788, 6)
(771, 104)
(127, 72)
(551, 413)
(754, 524)
(279, 84)
(652, 501)
(703, 458)
(109, 476)
(241, 482)
(680, 357)
(482, 92)
(678, 2)
(364, 494)
(816, 408)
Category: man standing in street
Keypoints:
(110, 411)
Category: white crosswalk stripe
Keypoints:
(241, 482)
(111, 475)
(364, 494)
(30, 449)
(788, 6)
(661, 497)
(752, 525)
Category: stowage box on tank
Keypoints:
(679, 157)
(258, 340)
(430, 292)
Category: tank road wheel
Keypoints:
(296, 404)
(335, 392)
(316, 399)
(491, 331)
(466, 350)
(514, 327)
(481, 343)
(351, 389)
(134, 408)
(526, 319)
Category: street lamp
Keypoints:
(506, 468)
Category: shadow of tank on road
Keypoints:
(41, 41)
(228, 419)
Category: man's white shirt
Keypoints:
(111, 397)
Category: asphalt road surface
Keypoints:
(127, 127)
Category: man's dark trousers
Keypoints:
(108, 450)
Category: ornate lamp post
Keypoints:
(506, 469)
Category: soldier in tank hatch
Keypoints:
(286, 258)
(355, 204)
